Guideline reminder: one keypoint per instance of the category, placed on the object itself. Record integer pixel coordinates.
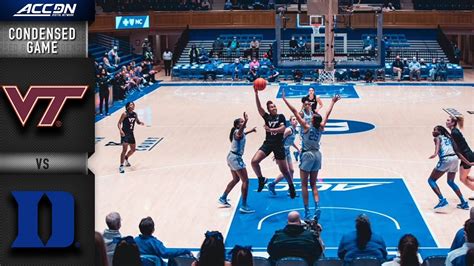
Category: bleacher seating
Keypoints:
(329, 262)
(100, 44)
(291, 261)
(443, 4)
(183, 261)
(434, 261)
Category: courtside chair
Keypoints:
(291, 261)
(183, 261)
(434, 261)
(261, 261)
(329, 262)
(366, 261)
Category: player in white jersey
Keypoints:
(310, 162)
(289, 137)
(236, 163)
(448, 162)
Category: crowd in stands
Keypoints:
(438, 71)
(123, 80)
(296, 239)
(158, 5)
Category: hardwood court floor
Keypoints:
(178, 182)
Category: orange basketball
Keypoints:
(260, 84)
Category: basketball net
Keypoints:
(327, 76)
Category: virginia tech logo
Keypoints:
(24, 105)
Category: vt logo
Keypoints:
(62, 228)
(24, 105)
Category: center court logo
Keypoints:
(47, 10)
(62, 227)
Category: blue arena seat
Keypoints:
(434, 261)
(150, 260)
(261, 261)
(291, 261)
(329, 262)
(183, 261)
(366, 261)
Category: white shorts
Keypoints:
(310, 161)
(448, 164)
(235, 162)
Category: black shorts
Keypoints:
(130, 139)
(470, 157)
(277, 149)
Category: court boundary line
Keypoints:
(435, 238)
(172, 84)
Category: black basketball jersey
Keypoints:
(314, 103)
(128, 123)
(274, 122)
(460, 141)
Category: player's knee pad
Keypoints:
(432, 183)
(452, 184)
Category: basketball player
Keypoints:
(314, 100)
(289, 137)
(463, 151)
(448, 162)
(275, 127)
(236, 164)
(126, 124)
(310, 162)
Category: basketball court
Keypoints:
(375, 161)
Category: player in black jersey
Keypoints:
(314, 100)
(126, 124)
(463, 151)
(275, 127)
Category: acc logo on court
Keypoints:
(62, 227)
(24, 105)
(336, 126)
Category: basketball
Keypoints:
(260, 84)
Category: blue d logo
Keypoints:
(62, 232)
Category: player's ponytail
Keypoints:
(234, 128)
(460, 121)
(408, 249)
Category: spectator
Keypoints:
(301, 45)
(457, 257)
(241, 256)
(236, 69)
(255, 47)
(273, 74)
(252, 75)
(205, 5)
(293, 45)
(254, 64)
(233, 46)
(368, 44)
(269, 53)
(265, 61)
(218, 46)
(148, 73)
(470, 257)
(228, 5)
(297, 75)
(114, 222)
(354, 73)
(193, 54)
(459, 239)
(406, 66)
(361, 243)
(126, 252)
(457, 54)
(113, 55)
(103, 82)
(414, 67)
(407, 252)
(388, 7)
(441, 70)
(422, 62)
(295, 241)
(369, 76)
(433, 69)
(150, 245)
(145, 45)
(109, 67)
(167, 59)
(211, 68)
(212, 251)
(397, 67)
(100, 254)
(149, 54)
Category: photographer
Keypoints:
(296, 240)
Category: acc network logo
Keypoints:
(47, 10)
(62, 227)
(57, 95)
